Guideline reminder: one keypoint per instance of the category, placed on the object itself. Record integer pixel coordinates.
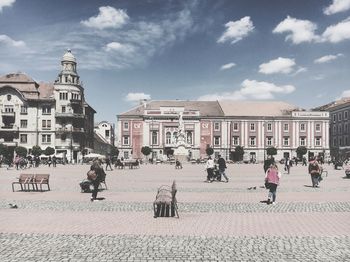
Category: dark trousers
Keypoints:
(272, 192)
(96, 184)
(109, 165)
(210, 173)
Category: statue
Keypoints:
(181, 140)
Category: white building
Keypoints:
(223, 125)
(44, 114)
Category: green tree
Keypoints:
(114, 152)
(49, 151)
(36, 150)
(21, 151)
(209, 150)
(271, 151)
(238, 154)
(4, 151)
(146, 150)
(301, 150)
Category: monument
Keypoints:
(181, 146)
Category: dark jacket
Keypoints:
(222, 163)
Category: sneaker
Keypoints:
(268, 201)
(226, 181)
(92, 199)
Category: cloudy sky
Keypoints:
(294, 51)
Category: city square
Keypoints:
(218, 221)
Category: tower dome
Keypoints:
(68, 56)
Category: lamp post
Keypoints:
(228, 138)
(71, 144)
(151, 133)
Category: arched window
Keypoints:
(154, 138)
(168, 138)
(174, 137)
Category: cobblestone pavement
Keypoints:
(218, 221)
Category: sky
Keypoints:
(286, 50)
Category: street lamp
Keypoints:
(71, 144)
(151, 133)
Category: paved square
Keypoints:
(218, 221)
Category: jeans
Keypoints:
(96, 184)
(222, 173)
(315, 180)
(210, 173)
(272, 192)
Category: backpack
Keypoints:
(91, 175)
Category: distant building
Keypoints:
(104, 138)
(339, 131)
(223, 125)
(45, 114)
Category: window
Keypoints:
(9, 109)
(345, 115)
(126, 154)
(24, 123)
(269, 127)
(107, 133)
(216, 140)
(285, 141)
(346, 141)
(24, 110)
(339, 116)
(46, 110)
(269, 141)
(285, 127)
(235, 141)
(235, 126)
(334, 142)
(63, 96)
(126, 125)
(252, 127)
(339, 129)
(46, 138)
(334, 117)
(216, 126)
(189, 138)
(334, 129)
(23, 138)
(302, 141)
(154, 138)
(252, 141)
(46, 124)
(125, 140)
(317, 141)
(340, 141)
(318, 127)
(168, 138)
(345, 128)
(9, 97)
(63, 109)
(302, 127)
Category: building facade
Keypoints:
(48, 115)
(104, 139)
(223, 125)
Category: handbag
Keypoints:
(91, 175)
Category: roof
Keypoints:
(205, 108)
(333, 105)
(46, 90)
(256, 108)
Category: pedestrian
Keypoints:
(287, 165)
(99, 176)
(210, 169)
(49, 161)
(16, 161)
(304, 161)
(222, 167)
(315, 172)
(272, 179)
(108, 163)
(54, 161)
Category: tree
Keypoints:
(36, 150)
(146, 150)
(4, 151)
(114, 152)
(21, 151)
(49, 151)
(301, 150)
(271, 151)
(238, 153)
(209, 150)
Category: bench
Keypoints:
(24, 180)
(40, 180)
(165, 204)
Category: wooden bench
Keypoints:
(40, 180)
(165, 204)
(24, 180)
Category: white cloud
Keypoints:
(279, 65)
(318, 77)
(251, 89)
(299, 30)
(108, 17)
(337, 33)
(337, 6)
(227, 66)
(120, 48)
(327, 58)
(6, 3)
(4, 39)
(300, 70)
(345, 93)
(237, 30)
(135, 97)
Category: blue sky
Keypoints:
(294, 51)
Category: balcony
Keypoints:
(75, 101)
(8, 114)
(9, 127)
(69, 115)
(69, 130)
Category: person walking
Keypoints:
(222, 167)
(315, 172)
(49, 161)
(272, 179)
(210, 169)
(16, 161)
(54, 161)
(108, 163)
(99, 176)
(287, 165)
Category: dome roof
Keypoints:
(68, 56)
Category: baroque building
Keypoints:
(223, 125)
(45, 114)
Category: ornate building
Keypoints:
(222, 125)
(48, 115)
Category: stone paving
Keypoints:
(218, 221)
